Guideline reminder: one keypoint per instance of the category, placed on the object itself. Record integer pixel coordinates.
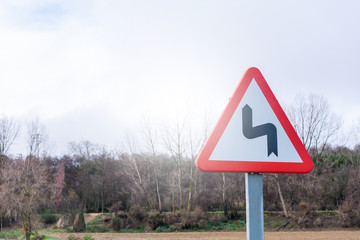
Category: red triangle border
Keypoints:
(203, 162)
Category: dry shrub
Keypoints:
(155, 220)
(137, 216)
(178, 221)
(186, 221)
(199, 213)
(349, 211)
(348, 217)
(308, 219)
(218, 218)
(172, 218)
(234, 215)
(176, 226)
(318, 222)
(302, 206)
(198, 218)
(117, 223)
(119, 220)
(118, 206)
(304, 222)
(308, 216)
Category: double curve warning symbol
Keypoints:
(253, 134)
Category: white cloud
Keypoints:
(160, 58)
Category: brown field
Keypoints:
(326, 235)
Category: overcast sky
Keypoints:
(94, 70)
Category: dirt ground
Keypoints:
(329, 235)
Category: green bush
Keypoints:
(47, 217)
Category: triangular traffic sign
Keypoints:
(253, 134)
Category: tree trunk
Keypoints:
(173, 200)
(281, 196)
(158, 193)
(180, 187)
(191, 178)
(190, 196)
(225, 207)
(102, 195)
(26, 226)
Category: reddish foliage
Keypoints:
(59, 183)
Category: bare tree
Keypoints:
(183, 144)
(9, 130)
(313, 121)
(138, 171)
(154, 159)
(24, 189)
(84, 149)
(175, 145)
(37, 137)
(194, 143)
(316, 125)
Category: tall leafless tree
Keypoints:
(138, 171)
(174, 143)
(25, 189)
(194, 142)
(313, 121)
(154, 159)
(37, 137)
(9, 130)
(316, 125)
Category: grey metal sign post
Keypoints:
(254, 206)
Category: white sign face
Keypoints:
(233, 145)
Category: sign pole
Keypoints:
(254, 206)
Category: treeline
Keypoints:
(105, 182)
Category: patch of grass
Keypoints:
(86, 237)
(55, 230)
(271, 222)
(12, 234)
(130, 230)
(162, 228)
(97, 225)
(96, 220)
(50, 238)
(276, 220)
(330, 212)
(237, 225)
